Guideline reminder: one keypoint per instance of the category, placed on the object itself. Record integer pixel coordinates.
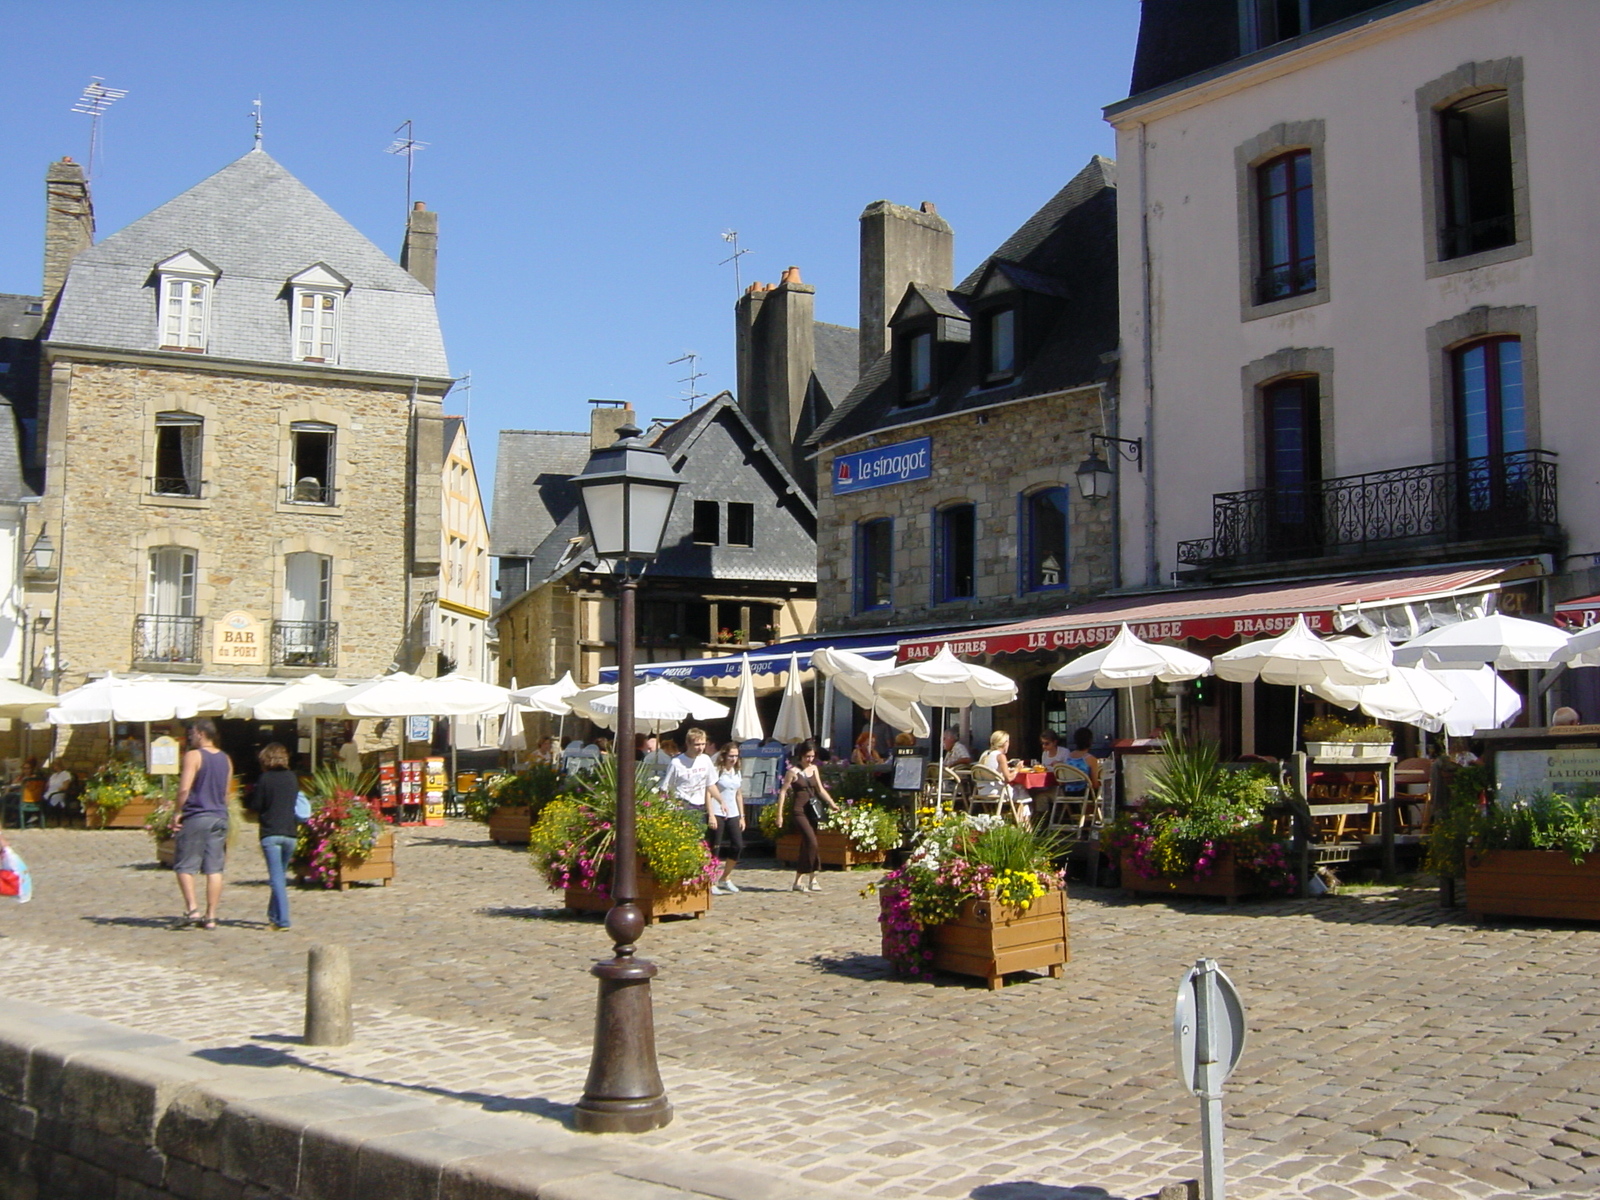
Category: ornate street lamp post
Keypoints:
(626, 491)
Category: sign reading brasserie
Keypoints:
(1527, 773)
(883, 465)
(238, 638)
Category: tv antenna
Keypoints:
(732, 236)
(96, 98)
(693, 378)
(408, 146)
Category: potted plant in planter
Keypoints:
(1202, 831)
(1329, 737)
(118, 796)
(509, 802)
(346, 839)
(1535, 856)
(977, 897)
(571, 844)
(159, 826)
(856, 834)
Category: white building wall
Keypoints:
(1181, 381)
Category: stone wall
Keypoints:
(100, 509)
(988, 457)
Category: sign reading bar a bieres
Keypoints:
(239, 638)
(1077, 637)
(883, 465)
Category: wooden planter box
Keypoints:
(376, 867)
(129, 816)
(653, 900)
(1228, 880)
(167, 852)
(834, 849)
(990, 939)
(510, 825)
(1533, 883)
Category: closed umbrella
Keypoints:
(1128, 662)
(794, 723)
(1298, 658)
(1505, 643)
(746, 721)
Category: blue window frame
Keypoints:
(1045, 524)
(955, 553)
(874, 564)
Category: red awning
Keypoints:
(1209, 613)
(1578, 614)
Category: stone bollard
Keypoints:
(1189, 1189)
(328, 996)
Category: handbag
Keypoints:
(302, 807)
(815, 809)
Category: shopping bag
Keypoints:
(14, 878)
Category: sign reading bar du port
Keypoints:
(879, 467)
(239, 638)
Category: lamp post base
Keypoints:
(624, 1093)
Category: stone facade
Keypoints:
(986, 457)
(242, 526)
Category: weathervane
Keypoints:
(732, 235)
(256, 108)
(408, 146)
(96, 98)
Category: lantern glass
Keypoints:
(648, 505)
(605, 503)
(627, 490)
(1095, 479)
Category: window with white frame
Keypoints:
(184, 319)
(177, 465)
(311, 462)
(317, 304)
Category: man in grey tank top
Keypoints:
(201, 826)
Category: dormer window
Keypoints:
(1000, 336)
(184, 320)
(918, 366)
(318, 298)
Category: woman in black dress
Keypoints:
(803, 784)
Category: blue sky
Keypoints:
(584, 158)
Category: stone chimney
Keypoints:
(420, 254)
(899, 246)
(776, 338)
(605, 418)
(68, 224)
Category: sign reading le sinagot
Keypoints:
(883, 465)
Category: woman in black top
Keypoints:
(274, 800)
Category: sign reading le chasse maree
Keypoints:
(883, 465)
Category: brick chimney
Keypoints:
(605, 418)
(420, 253)
(68, 224)
(899, 246)
(776, 339)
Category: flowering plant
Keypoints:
(344, 824)
(533, 789)
(572, 843)
(868, 827)
(1197, 810)
(957, 858)
(114, 786)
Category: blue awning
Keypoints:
(770, 658)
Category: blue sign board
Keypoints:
(900, 463)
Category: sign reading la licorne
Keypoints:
(883, 465)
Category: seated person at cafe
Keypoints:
(955, 754)
(1080, 758)
(1051, 752)
(866, 753)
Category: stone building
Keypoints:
(736, 567)
(945, 480)
(240, 438)
(460, 626)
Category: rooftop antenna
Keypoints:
(732, 236)
(256, 108)
(694, 376)
(96, 98)
(466, 386)
(408, 146)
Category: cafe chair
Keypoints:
(1000, 802)
(1076, 804)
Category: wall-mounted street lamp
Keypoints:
(626, 492)
(1095, 476)
(40, 561)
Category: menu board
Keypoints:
(1529, 773)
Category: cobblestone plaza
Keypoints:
(1396, 1049)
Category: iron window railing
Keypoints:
(305, 643)
(158, 638)
(1504, 496)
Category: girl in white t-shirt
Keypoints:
(726, 833)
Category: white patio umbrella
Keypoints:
(855, 676)
(1505, 643)
(1129, 662)
(118, 698)
(553, 698)
(1298, 658)
(658, 704)
(282, 703)
(794, 723)
(1483, 700)
(944, 681)
(746, 721)
(22, 703)
(1582, 648)
(1410, 695)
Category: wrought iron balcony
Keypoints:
(164, 639)
(305, 643)
(1508, 496)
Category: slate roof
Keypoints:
(19, 315)
(838, 351)
(1067, 250)
(260, 226)
(13, 486)
(533, 493)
